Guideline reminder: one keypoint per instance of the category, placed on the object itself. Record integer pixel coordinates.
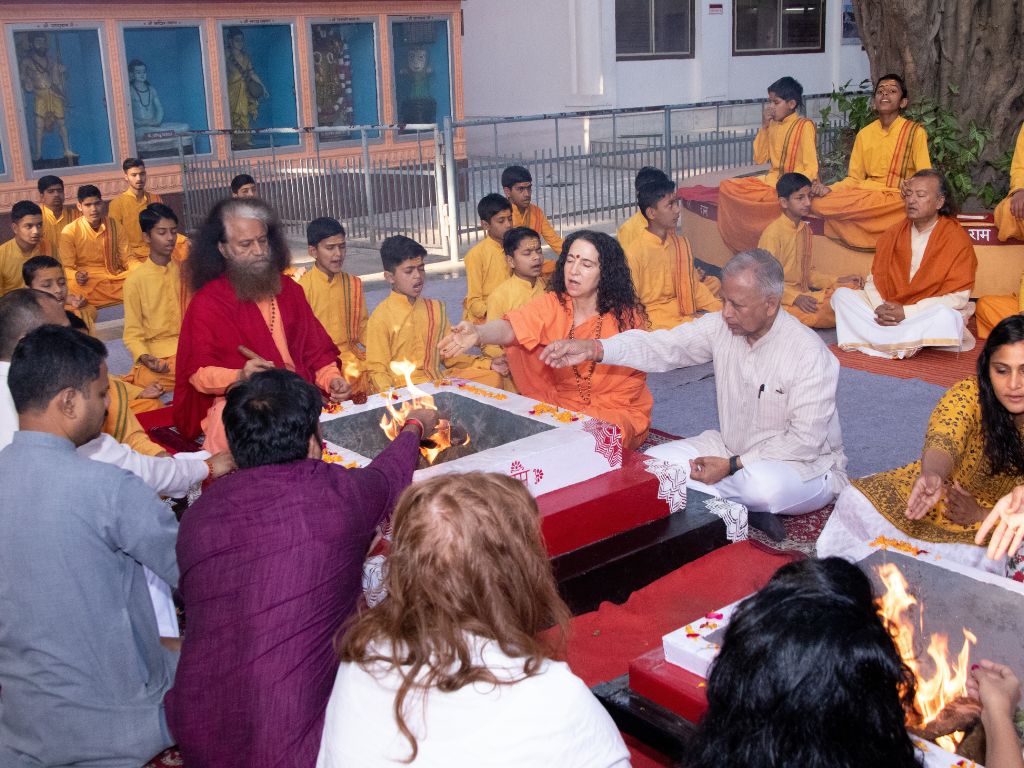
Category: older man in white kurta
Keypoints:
(780, 447)
(919, 289)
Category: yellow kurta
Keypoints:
(868, 201)
(152, 319)
(631, 229)
(791, 244)
(992, 309)
(955, 428)
(340, 306)
(91, 250)
(534, 218)
(1009, 226)
(653, 264)
(124, 209)
(486, 269)
(12, 259)
(400, 330)
(54, 225)
(747, 205)
(511, 294)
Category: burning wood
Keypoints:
(941, 714)
(444, 437)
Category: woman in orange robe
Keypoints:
(590, 296)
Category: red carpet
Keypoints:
(942, 368)
(604, 642)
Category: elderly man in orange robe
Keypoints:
(918, 292)
(590, 273)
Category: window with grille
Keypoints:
(653, 29)
(778, 26)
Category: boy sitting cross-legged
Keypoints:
(807, 291)
(336, 297)
(407, 327)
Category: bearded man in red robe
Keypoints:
(244, 317)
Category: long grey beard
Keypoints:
(250, 285)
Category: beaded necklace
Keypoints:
(584, 384)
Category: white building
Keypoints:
(542, 56)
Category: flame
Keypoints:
(946, 681)
(394, 418)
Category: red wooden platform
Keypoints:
(572, 517)
(602, 507)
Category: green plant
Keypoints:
(835, 135)
(955, 149)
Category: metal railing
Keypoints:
(583, 165)
(375, 194)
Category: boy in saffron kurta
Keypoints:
(55, 215)
(91, 251)
(887, 152)
(27, 226)
(1009, 213)
(45, 273)
(517, 184)
(486, 267)
(407, 327)
(525, 256)
(661, 263)
(153, 302)
(635, 225)
(807, 291)
(336, 297)
(125, 209)
(787, 141)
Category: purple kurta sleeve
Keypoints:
(382, 481)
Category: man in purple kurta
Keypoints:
(271, 561)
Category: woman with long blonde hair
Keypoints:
(457, 666)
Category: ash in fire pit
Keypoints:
(487, 426)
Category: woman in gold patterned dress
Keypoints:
(973, 456)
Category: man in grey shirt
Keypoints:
(82, 670)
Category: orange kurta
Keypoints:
(1008, 225)
(949, 264)
(98, 253)
(993, 309)
(618, 395)
(747, 205)
(125, 210)
(121, 423)
(868, 201)
(535, 218)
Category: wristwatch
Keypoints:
(734, 465)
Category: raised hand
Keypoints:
(925, 494)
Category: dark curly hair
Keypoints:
(615, 291)
(205, 261)
(1003, 447)
(808, 675)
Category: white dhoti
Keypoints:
(764, 486)
(936, 326)
(855, 523)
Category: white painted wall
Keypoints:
(536, 56)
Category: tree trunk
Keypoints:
(977, 46)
